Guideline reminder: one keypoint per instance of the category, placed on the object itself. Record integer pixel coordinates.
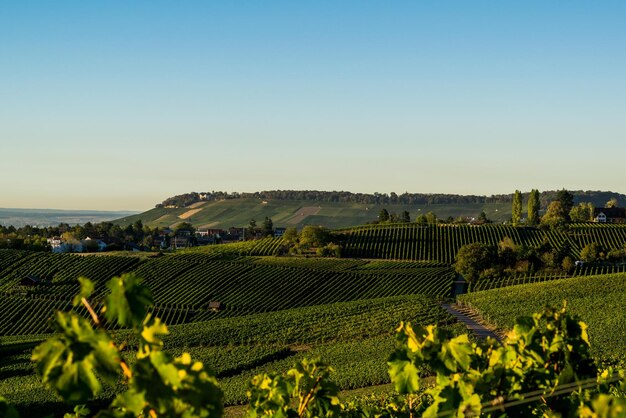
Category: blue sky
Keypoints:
(117, 105)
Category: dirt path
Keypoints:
(463, 316)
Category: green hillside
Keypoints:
(277, 310)
(599, 300)
(286, 213)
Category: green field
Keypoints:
(354, 336)
(286, 213)
(184, 283)
(442, 242)
(277, 310)
(598, 300)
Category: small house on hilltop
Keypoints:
(609, 215)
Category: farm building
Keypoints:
(609, 215)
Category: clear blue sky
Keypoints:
(118, 104)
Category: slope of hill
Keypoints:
(332, 209)
(286, 213)
(598, 300)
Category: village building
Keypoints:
(609, 215)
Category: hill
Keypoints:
(331, 209)
(286, 213)
(598, 300)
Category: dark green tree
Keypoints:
(581, 213)
(591, 252)
(554, 217)
(314, 236)
(383, 216)
(268, 227)
(473, 258)
(405, 217)
(251, 230)
(184, 227)
(533, 207)
(516, 212)
(431, 218)
(567, 202)
(291, 235)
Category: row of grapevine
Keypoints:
(598, 300)
(338, 321)
(61, 271)
(265, 246)
(183, 285)
(442, 242)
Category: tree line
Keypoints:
(186, 199)
(35, 238)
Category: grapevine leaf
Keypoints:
(86, 289)
(403, 373)
(69, 361)
(149, 339)
(6, 410)
(457, 352)
(129, 300)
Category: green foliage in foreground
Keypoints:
(543, 369)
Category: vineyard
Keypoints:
(599, 300)
(442, 242)
(185, 283)
(238, 348)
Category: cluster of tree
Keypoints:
(483, 261)
(560, 210)
(595, 252)
(117, 237)
(253, 231)
(428, 218)
(385, 217)
(312, 239)
(544, 198)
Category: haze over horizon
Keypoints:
(117, 105)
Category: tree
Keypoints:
(290, 236)
(554, 217)
(251, 230)
(611, 203)
(472, 259)
(567, 202)
(516, 213)
(405, 217)
(482, 218)
(268, 227)
(507, 251)
(590, 253)
(533, 207)
(431, 218)
(184, 226)
(581, 213)
(383, 216)
(314, 236)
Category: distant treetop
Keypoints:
(597, 198)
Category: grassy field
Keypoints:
(286, 213)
